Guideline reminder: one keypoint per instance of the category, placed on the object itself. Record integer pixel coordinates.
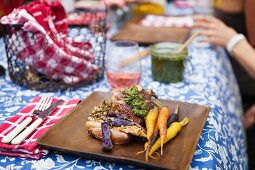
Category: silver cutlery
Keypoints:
(41, 117)
(42, 105)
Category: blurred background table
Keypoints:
(208, 80)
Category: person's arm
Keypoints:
(244, 53)
(218, 33)
(250, 20)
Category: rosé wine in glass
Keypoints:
(120, 81)
(119, 76)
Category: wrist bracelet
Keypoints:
(234, 41)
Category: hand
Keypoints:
(249, 117)
(215, 30)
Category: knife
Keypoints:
(41, 117)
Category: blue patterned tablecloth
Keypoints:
(209, 80)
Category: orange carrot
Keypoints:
(162, 121)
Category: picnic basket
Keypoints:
(88, 37)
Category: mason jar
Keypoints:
(167, 65)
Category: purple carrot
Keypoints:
(106, 137)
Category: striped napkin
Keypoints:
(29, 147)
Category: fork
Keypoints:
(42, 105)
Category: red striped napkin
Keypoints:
(29, 147)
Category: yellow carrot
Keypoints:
(172, 131)
(162, 121)
(150, 121)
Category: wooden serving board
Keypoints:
(133, 31)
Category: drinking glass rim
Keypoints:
(134, 44)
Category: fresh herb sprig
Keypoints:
(134, 99)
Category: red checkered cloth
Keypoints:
(42, 42)
(29, 147)
(166, 21)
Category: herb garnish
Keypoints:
(134, 99)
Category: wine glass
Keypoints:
(120, 75)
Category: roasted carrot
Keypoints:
(150, 143)
(173, 118)
(150, 121)
(162, 120)
(172, 131)
(155, 128)
(145, 147)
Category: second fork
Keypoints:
(42, 105)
